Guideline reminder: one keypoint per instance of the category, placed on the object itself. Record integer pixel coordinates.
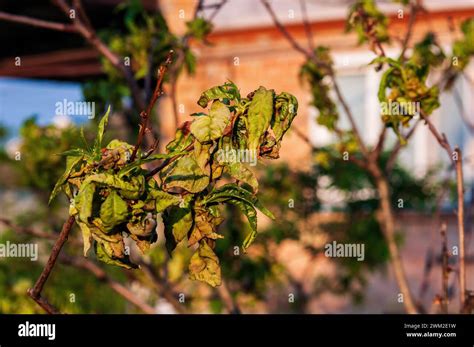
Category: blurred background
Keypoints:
(315, 203)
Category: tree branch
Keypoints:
(461, 231)
(456, 158)
(226, 297)
(37, 22)
(307, 25)
(35, 292)
(414, 7)
(285, 32)
(145, 114)
(444, 270)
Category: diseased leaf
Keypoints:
(185, 173)
(202, 155)
(259, 116)
(178, 222)
(113, 211)
(204, 227)
(204, 266)
(227, 91)
(83, 201)
(132, 189)
(105, 253)
(164, 200)
(243, 173)
(71, 163)
(100, 132)
(86, 237)
(207, 128)
(286, 107)
(249, 211)
(233, 191)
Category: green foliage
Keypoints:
(38, 168)
(314, 71)
(199, 28)
(143, 42)
(368, 22)
(113, 198)
(404, 83)
(463, 49)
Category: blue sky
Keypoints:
(23, 98)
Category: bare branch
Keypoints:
(307, 25)
(229, 302)
(145, 114)
(445, 269)
(414, 8)
(285, 32)
(37, 22)
(461, 232)
(35, 292)
(217, 8)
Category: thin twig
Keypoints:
(461, 231)
(217, 8)
(307, 25)
(35, 292)
(411, 22)
(37, 22)
(145, 114)
(445, 269)
(229, 302)
(285, 32)
(456, 158)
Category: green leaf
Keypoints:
(233, 191)
(202, 154)
(251, 215)
(204, 266)
(103, 254)
(259, 116)
(132, 189)
(207, 128)
(185, 173)
(164, 200)
(71, 163)
(100, 132)
(199, 28)
(180, 142)
(241, 172)
(227, 91)
(138, 162)
(286, 108)
(83, 201)
(113, 211)
(178, 222)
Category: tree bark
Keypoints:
(387, 220)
